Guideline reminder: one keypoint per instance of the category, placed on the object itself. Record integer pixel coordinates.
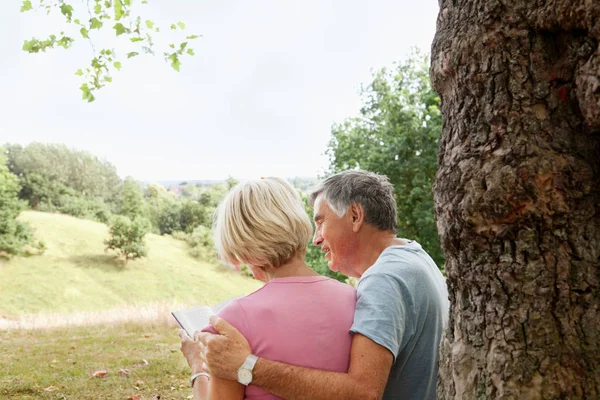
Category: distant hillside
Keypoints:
(76, 274)
(172, 183)
(303, 183)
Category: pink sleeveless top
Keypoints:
(303, 321)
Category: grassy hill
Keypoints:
(76, 274)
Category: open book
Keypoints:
(196, 318)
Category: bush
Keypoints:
(201, 243)
(127, 237)
(14, 235)
(169, 219)
(82, 207)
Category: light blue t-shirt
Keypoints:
(402, 305)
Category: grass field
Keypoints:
(57, 364)
(85, 311)
(76, 274)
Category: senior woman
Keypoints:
(298, 317)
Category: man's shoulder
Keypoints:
(397, 261)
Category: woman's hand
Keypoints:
(191, 351)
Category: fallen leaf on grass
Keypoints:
(100, 374)
(156, 397)
(135, 397)
(142, 363)
(51, 388)
(124, 372)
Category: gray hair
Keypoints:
(373, 192)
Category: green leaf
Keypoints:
(26, 6)
(79, 72)
(67, 11)
(117, 65)
(118, 7)
(85, 93)
(95, 23)
(132, 54)
(173, 26)
(84, 32)
(77, 21)
(65, 42)
(98, 9)
(149, 24)
(136, 39)
(183, 45)
(28, 45)
(191, 52)
(120, 28)
(175, 63)
(172, 46)
(181, 25)
(108, 79)
(192, 37)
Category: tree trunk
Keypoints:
(517, 197)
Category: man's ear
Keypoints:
(357, 213)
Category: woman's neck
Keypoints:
(294, 267)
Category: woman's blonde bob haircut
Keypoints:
(262, 223)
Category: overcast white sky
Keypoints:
(268, 80)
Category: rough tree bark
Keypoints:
(517, 197)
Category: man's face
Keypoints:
(335, 237)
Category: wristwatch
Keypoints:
(244, 373)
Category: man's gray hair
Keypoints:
(373, 192)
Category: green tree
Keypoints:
(397, 134)
(49, 171)
(130, 201)
(122, 18)
(191, 215)
(127, 237)
(14, 235)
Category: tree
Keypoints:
(397, 134)
(49, 171)
(121, 16)
(127, 237)
(131, 202)
(517, 197)
(14, 235)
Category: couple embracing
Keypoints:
(305, 336)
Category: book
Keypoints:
(196, 318)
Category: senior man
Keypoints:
(402, 305)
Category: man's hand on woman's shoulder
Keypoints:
(222, 354)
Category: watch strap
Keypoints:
(250, 362)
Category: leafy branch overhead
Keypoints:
(92, 16)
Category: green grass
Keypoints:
(76, 274)
(58, 364)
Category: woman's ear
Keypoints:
(259, 273)
(357, 213)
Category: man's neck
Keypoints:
(374, 243)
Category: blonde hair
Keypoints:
(262, 223)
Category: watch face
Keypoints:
(244, 376)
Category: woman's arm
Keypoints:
(219, 389)
(205, 388)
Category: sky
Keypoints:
(268, 80)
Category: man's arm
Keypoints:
(370, 366)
